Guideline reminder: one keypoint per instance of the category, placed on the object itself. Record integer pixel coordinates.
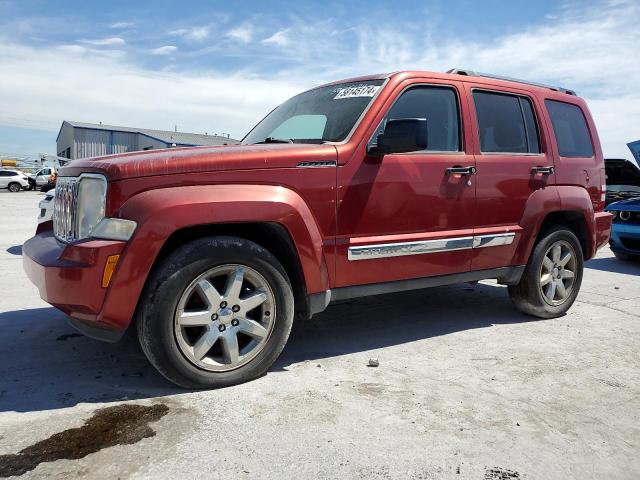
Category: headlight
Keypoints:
(92, 199)
(624, 216)
(79, 211)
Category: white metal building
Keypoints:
(80, 140)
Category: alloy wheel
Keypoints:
(225, 317)
(558, 273)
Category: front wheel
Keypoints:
(15, 187)
(217, 312)
(552, 278)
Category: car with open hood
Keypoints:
(623, 179)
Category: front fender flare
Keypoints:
(161, 212)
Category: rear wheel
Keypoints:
(15, 187)
(217, 312)
(552, 278)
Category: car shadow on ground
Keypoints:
(612, 264)
(15, 250)
(47, 365)
(385, 320)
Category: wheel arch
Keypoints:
(570, 206)
(273, 216)
(274, 237)
(574, 221)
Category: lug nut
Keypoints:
(235, 308)
(223, 305)
(267, 313)
(222, 328)
(234, 322)
(214, 317)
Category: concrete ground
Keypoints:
(466, 388)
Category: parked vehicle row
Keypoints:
(361, 187)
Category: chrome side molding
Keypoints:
(497, 240)
(400, 249)
(319, 164)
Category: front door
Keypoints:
(409, 215)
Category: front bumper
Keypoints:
(625, 238)
(69, 276)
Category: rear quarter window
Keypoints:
(570, 128)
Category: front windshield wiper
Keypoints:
(275, 140)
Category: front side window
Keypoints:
(570, 128)
(439, 105)
(506, 123)
(325, 114)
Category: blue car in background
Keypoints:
(625, 230)
(623, 201)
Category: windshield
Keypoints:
(325, 114)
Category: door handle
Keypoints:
(461, 170)
(542, 170)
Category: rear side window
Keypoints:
(506, 123)
(439, 105)
(570, 127)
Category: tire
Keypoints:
(539, 292)
(178, 294)
(14, 187)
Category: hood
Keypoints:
(621, 172)
(202, 159)
(632, 205)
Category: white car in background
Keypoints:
(13, 180)
(46, 206)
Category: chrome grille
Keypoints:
(65, 225)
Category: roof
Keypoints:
(166, 136)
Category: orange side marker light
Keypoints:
(109, 267)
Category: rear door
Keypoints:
(513, 161)
(4, 178)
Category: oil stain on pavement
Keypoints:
(119, 425)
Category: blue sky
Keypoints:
(219, 66)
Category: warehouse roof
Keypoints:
(167, 136)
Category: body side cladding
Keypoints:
(318, 302)
(97, 333)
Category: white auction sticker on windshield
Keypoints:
(361, 91)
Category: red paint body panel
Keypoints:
(359, 201)
(69, 276)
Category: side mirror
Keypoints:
(402, 135)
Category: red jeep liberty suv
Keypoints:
(360, 187)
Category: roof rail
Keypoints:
(471, 73)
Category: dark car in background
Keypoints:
(623, 179)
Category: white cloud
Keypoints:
(279, 38)
(592, 50)
(119, 25)
(99, 88)
(165, 50)
(195, 34)
(105, 42)
(242, 34)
